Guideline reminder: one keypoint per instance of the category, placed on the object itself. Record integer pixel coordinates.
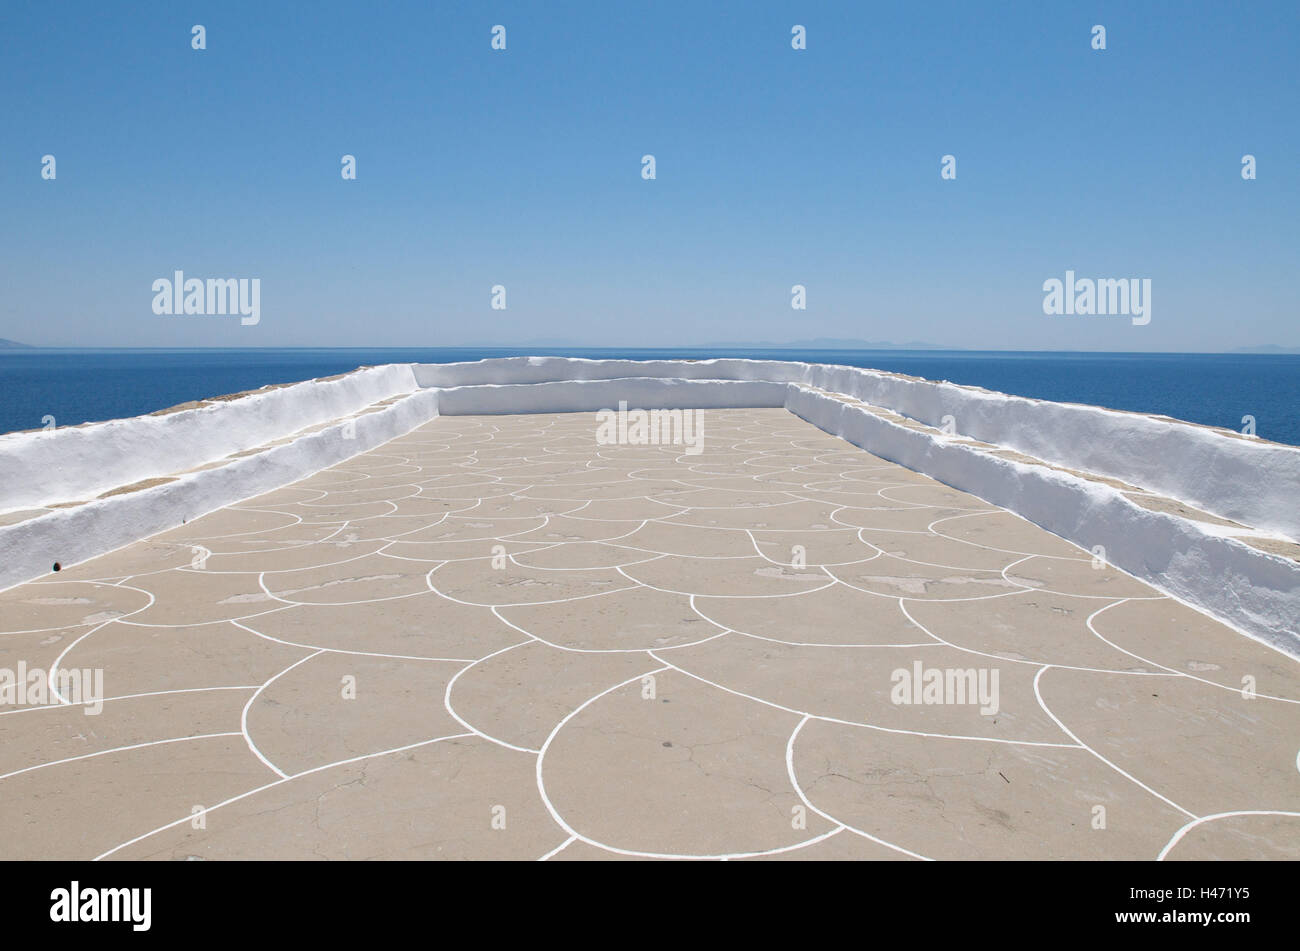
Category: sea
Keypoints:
(77, 386)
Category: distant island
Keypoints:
(14, 345)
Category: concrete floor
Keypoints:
(495, 638)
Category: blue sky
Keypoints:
(775, 167)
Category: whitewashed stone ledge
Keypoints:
(581, 396)
(1250, 481)
(72, 535)
(1253, 482)
(78, 462)
(1254, 591)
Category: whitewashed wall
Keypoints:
(80, 462)
(1257, 483)
(1251, 481)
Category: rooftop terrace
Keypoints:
(493, 637)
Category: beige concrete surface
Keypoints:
(496, 638)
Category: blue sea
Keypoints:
(77, 386)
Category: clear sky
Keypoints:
(774, 167)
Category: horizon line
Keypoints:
(1258, 350)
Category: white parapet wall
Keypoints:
(80, 462)
(1254, 482)
(1255, 591)
(1246, 480)
(74, 534)
(582, 396)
